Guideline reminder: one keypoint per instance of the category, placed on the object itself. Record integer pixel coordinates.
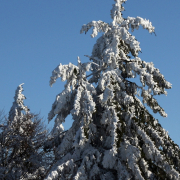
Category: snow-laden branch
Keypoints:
(98, 26)
(134, 23)
(64, 72)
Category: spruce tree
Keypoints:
(21, 143)
(113, 136)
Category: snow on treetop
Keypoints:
(18, 104)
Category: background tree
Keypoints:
(21, 142)
(113, 135)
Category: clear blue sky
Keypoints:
(37, 35)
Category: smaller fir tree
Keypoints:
(21, 143)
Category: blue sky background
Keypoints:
(35, 36)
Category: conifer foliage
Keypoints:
(21, 143)
(113, 136)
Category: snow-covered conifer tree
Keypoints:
(21, 143)
(113, 136)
